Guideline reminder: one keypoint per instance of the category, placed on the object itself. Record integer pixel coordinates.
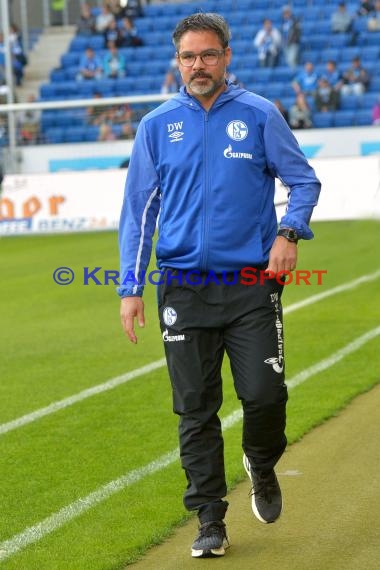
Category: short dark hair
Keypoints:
(201, 21)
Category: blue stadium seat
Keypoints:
(245, 75)
(344, 118)
(70, 59)
(348, 53)
(91, 133)
(349, 102)
(375, 83)
(147, 65)
(74, 134)
(47, 91)
(339, 40)
(315, 42)
(96, 42)
(363, 117)
(57, 75)
(333, 54)
(370, 54)
(283, 73)
(367, 100)
(369, 39)
(311, 55)
(78, 43)
(275, 90)
(323, 120)
(54, 135)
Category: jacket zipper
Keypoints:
(206, 193)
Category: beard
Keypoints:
(207, 87)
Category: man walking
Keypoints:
(207, 160)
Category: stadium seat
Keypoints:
(339, 40)
(315, 42)
(333, 54)
(47, 91)
(349, 102)
(344, 118)
(54, 135)
(348, 53)
(323, 120)
(91, 133)
(74, 134)
(375, 83)
(370, 54)
(363, 117)
(367, 100)
(274, 90)
(370, 39)
(147, 64)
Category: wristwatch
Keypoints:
(289, 234)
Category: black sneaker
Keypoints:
(211, 540)
(266, 493)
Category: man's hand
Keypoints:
(131, 308)
(283, 255)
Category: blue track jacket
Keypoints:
(211, 177)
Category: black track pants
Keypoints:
(199, 323)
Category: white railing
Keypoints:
(10, 142)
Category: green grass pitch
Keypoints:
(59, 340)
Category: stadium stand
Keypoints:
(147, 64)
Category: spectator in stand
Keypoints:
(365, 8)
(355, 78)
(133, 8)
(306, 81)
(86, 24)
(113, 62)
(17, 58)
(128, 33)
(282, 109)
(96, 115)
(268, 43)
(120, 114)
(28, 123)
(341, 20)
(333, 75)
(291, 36)
(17, 48)
(106, 133)
(127, 131)
(374, 19)
(326, 98)
(113, 34)
(233, 78)
(104, 19)
(172, 81)
(300, 113)
(376, 113)
(90, 66)
(117, 9)
(17, 51)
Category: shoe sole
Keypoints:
(247, 467)
(213, 553)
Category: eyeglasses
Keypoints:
(208, 57)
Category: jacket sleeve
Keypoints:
(138, 216)
(287, 162)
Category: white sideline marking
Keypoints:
(37, 532)
(333, 291)
(334, 358)
(118, 380)
(61, 404)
